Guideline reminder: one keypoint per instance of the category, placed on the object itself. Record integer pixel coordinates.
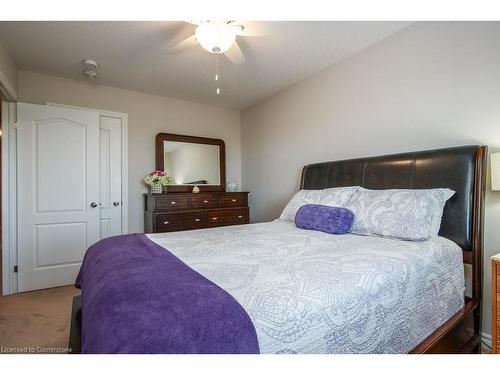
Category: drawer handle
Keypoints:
(173, 202)
(197, 219)
(240, 216)
(214, 218)
(233, 200)
(205, 201)
(165, 222)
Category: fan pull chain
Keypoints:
(217, 90)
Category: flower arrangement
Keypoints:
(156, 180)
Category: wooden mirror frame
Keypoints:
(160, 152)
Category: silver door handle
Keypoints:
(205, 201)
(197, 220)
(93, 204)
(233, 200)
(116, 204)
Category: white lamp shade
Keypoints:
(215, 37)
(495, 171)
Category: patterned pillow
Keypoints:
(333, 220)
(336, 197)
(407, 214)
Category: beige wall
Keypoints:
(8, 75)
(431, 85)
(148, 115)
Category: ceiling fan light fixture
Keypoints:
(215, 37)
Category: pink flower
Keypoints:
(158, 174)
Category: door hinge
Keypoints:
(16, 269)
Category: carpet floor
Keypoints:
(36, 322)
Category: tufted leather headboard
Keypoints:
(458, 168)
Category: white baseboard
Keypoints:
(486, 339)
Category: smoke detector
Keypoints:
(90, 74)
(90, 69)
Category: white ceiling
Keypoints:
(133, 55)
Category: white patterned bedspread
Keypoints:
(312, 292)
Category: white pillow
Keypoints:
(335, 197)
(407, 214)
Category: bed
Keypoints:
(298, 291)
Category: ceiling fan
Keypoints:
(219, 37)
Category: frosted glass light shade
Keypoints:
(215, 37)
(495, 171)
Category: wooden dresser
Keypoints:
(171, 212)
(495, 303)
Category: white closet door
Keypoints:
(111, 177)
(58, 193)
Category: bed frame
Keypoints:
(459, 168)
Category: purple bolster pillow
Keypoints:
(334, 220)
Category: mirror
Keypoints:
(191, 161)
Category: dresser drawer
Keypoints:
(233, 200)
(218, 218)
(170, 212)
(204, 201)
(180, 221)
(172, 202)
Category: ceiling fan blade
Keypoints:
(235, 55)
(263, 28)
(184, 45)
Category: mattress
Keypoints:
(312, 292)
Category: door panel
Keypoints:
(58, 244)
(58, 179)
(60, 186)
(110, 177)
(105, 228)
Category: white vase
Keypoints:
(156, 189)
(231, 186)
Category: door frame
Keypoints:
(124, 120)
(9, 198)
(9, 186)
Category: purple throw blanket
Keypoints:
(137, 297)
